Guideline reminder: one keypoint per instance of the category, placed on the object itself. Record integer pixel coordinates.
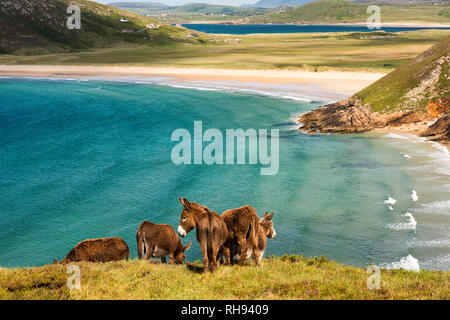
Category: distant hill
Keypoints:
(203, 8)
(278, 3)
(141, 5)
(31, 27)
(342, 11)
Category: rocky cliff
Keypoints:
(417, 93)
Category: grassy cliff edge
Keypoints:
(286, 277)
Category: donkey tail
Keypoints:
(139, 241)
(127, 254)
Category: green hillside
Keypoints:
(204, 8)
(341, 11)
(412, 85)
(287, 277)
(30, 27)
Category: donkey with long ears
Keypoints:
(159, 240)
(243, 225)
(211, 230)
(265, 231)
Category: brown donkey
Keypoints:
(265, 231)
(242, 224)
(211, 230)
(98, 250)
(158, 241)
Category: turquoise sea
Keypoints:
(291, 28)
(90, 159)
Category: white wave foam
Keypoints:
(407, 156)
(443, 243)
(391, 208)
(410, 225)
(440, 262)
(436, 207)
(203, 87)
(406, 263)
(414, 195)
(390, 201)
(411, 137)
(441, 148)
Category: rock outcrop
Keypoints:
(439, 131)
(351, 116)
(414, 95)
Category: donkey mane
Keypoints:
(198, 207)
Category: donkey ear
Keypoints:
(186, 204)
(187, 247)
(265, 214)
(270, 216)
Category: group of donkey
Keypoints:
(236, 233)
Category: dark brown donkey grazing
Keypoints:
(243, 225)
(158, 241)
(98, 250)
(211, 230)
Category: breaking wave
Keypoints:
(406, 263)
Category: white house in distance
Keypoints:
(152, 26)
(123, 20)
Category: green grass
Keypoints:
(390, 92)
(287, 277)
(35, 27)
(350, 51)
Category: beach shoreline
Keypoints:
(412, 130)
(338, 83)
(323, 86)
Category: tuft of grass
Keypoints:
(286, 277)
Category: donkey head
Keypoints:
(188, 218)
(180, 256)
(267, 223)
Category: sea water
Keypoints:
(91, 159)
(292, 28)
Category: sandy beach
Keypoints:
(337, 83)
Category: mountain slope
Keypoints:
(279, 3)
(320, 11)
(412, 85)
(204, 8)
(342, 11)
(415, 93)
(146, 5)
(31, 27)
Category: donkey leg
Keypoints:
(163, 259)
(213, 263)
(256, 253)
(242, 242)
(150, 246)
(226, 252)
(204, 251)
